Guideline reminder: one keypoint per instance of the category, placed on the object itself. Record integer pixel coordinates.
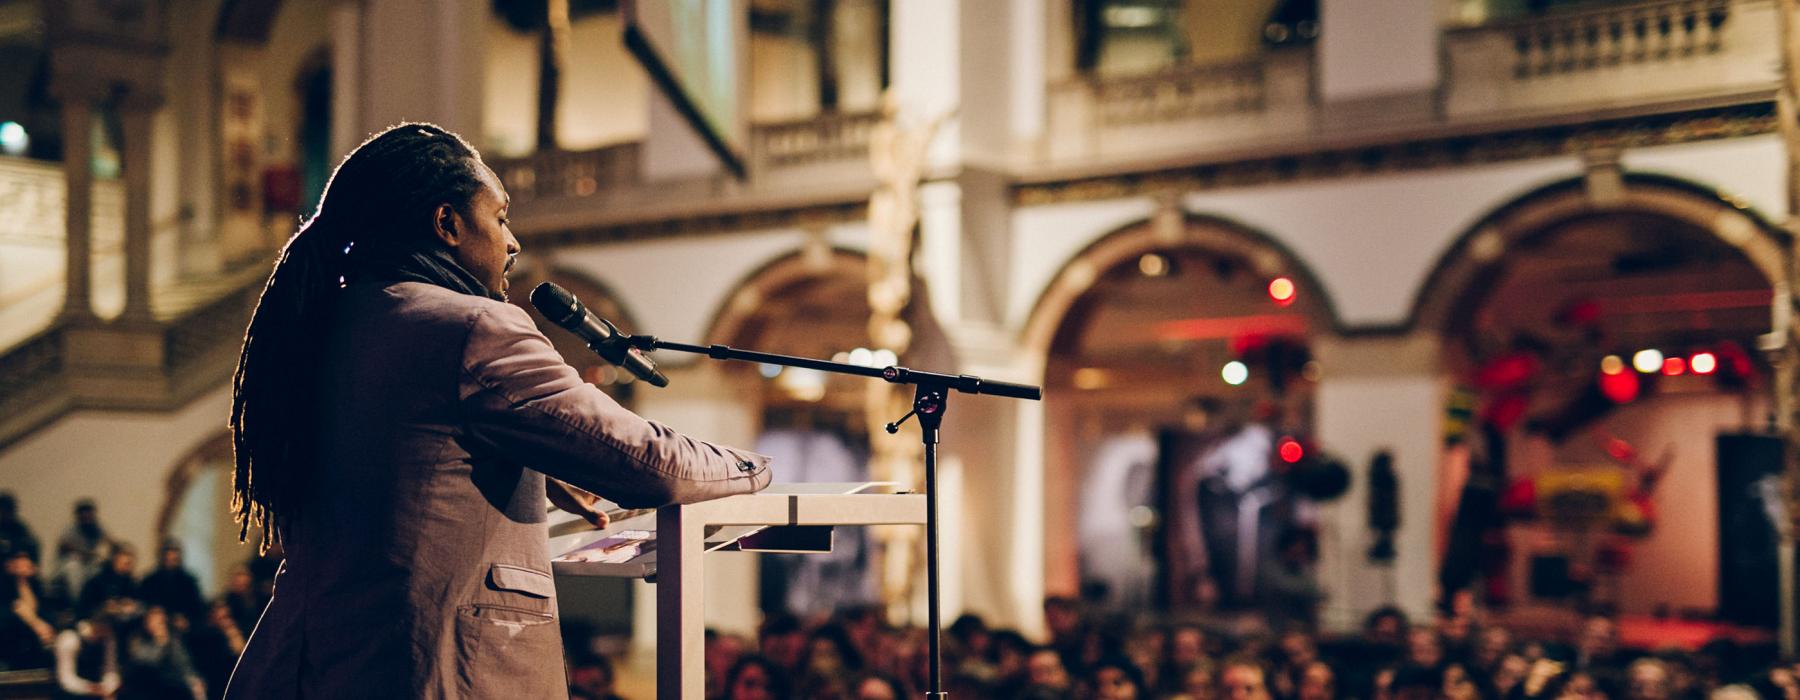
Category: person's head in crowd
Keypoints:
(9, 507)
(1491, 645)
(1199, 680)
(154, 625)
(721, 651)
(170, 557)
(878, 686)
(1598, 640)
(87, 518)
(1116, 678)
(1044, 668)
(1381, 685)
(1386, 626)
(1062, 615)
(1424, 647)
(219, 616)
(830, 653)
(1785, 682)
(414, 202)
(1317, 682)
(1456, 682)
(864, 624)
(1297, 649)
(1297, 546)
(1734, 691)
(1647, 679)
(591, 677)
(818, 687)
(1187, 646)
(780, 639)
(1007, 652)
(1583, 685)
(1243, 678)
(123, 561)
(1508, 674)
(239, 581)
(970, 635)
(19, 567)
(756, 678)
(1147, 648)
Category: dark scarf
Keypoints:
(430, 264)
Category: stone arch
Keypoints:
(1472, 261)
(1197, 231)
(771, 277)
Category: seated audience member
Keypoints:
(1317, 682)
(214, 645)
(1045, 673)
(1115, 678)
(591, 677)
(878, 686)
(113, 587)
(756, 678)
(1647, 679)
(25, 636)
(172, 587)
(15, 536)
(156, 663)
(721, 652)
(781, 640)
(1243, 678)
(87, 659)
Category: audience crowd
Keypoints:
(80, 609)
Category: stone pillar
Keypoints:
(1380, 393)
(78, 218)
(136, 113)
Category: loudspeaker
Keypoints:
(1750, 505)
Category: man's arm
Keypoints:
(520, 398)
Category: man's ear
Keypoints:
(447, 225)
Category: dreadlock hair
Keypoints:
(380, 201)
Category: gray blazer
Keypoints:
(417, 564)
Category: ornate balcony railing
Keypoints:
(828, 138)
(1187, 107)
(556, 174)
(1616, 54)
(1609, 36)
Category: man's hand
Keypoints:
(577, 501)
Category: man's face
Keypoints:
(1046, 669)
(483, 241)
(1243, 683)
(1112, 684)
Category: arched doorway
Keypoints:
(1601, 344)
(814, 303)
(1178, 376)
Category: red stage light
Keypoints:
(1291, 451)
(1703, 362)
(1621, 388)
(1673, 366)
(1281, 289)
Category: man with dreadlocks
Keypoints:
(394, 421)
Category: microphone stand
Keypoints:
(931, 394)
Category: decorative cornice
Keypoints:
(1748, 119)
(791, 216)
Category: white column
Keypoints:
(1384, 393)
(422, 60)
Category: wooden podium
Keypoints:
(667, 546)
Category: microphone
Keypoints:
(563, 309)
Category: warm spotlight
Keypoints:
(1673, 366)
(1235, 373)
(1611, 364)
(1647, 361)
(1281, 289)
(1153, 265)
(1703, 363)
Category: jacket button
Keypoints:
(745, 465)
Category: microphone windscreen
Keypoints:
(556, 304)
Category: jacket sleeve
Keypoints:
(520, 399)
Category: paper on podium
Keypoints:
(627, 547)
